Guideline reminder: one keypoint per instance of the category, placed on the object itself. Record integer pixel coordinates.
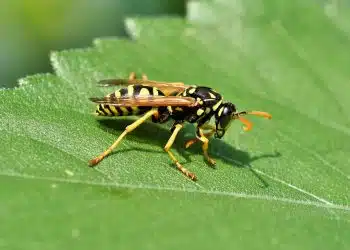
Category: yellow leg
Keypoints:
(203, 137)
(207, 135)
(167, 147)
(127, 130)
(132, 76)
(205, 146)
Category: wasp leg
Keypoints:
(202, 137)
(127, 130)
(212, 129)
(167, 147)
(132, 76)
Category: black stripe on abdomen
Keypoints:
(101, 110)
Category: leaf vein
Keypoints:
(206, 192)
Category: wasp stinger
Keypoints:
(163, 101)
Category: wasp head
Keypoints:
(223, 118)
(227, 112)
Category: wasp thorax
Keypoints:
(223, 118)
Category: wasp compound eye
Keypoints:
(224, 116)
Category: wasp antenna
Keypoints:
(257, 113)
(260, 113)
(247, 124)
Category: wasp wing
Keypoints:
(147, 101)
(114, 82)
(166, 87)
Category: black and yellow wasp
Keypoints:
(162, 101)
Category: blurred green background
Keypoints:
(32, 28)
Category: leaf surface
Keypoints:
(285, 184)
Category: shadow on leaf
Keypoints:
(158, 135)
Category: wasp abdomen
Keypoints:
(130, 91)
(110, 110)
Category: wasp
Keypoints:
(164, 101)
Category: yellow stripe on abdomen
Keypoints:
(130, 90)
(135, 110)
(124, 110)
(144, 92)
(114, 110)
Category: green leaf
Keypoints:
(285, 184)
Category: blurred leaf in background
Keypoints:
(31, 29)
